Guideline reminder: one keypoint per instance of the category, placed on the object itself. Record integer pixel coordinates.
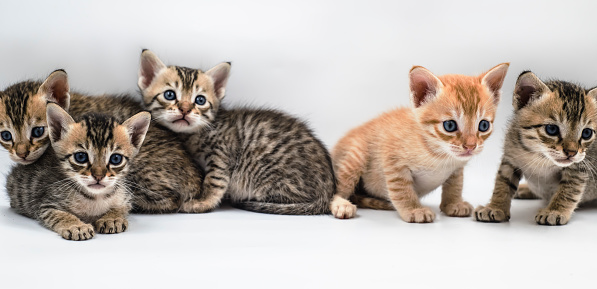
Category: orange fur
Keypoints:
(406, 153)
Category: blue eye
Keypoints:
(200, 100)
(170, 95)
(115, 159)
(6, 135)
(552, 129)
(483, 125)
(37, 131)
(450, 126)
(587, 133)
(81, 157)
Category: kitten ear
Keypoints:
(137, 127)
(593, 94)
(528, 89)
(59, 121)
(494, 79)
(56, 89)
(150, 66)
(219, 74)
(424, 86)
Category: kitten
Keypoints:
(405, 153)
(163, 179)
(264, 160)
(76, 188)
(549, 143)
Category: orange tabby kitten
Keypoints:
(406, 153)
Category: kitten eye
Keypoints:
(587, 133)
(450, 126)
(484, 126)
(81, 157)
(200, 100)
(37, 131)
(6, 135)
(170, 95)
(552, 129)
(115, 159)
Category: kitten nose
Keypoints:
(470, 143)
(98, 173)
(185, 107)
(22, 150)
(570, 152)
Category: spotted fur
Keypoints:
(78, 198)
(558, 168)
(406, 153)
(263, 160)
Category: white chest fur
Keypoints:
(88, 209)
(426, 181)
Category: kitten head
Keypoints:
(96, 151)
(23, 126)
(456, 112)
(556, 119)
(181, 99)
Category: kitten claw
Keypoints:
(419, 215)
(111, 226)
(489, 214)
(78, 232)
(342, 208)
(552, 218)
(461, 209)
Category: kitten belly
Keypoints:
(543, 185)
(427, 181)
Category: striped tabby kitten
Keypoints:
(405, 153)
(549, 143)
(77, 187)
(264, 160)
(163, 178)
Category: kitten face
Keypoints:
(557, 119)
(455, 111)
(96, 151)
(23, 126)
(181, 99)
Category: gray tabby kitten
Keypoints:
(77, 186)
(163, 179)
(264, 160)
(549, 142)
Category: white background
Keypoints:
(335, 64)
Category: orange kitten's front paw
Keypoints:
(489, 214)
(419, 215)
(461, 209)
(342, 208)
(552, 217)
(78, 232)
(111, 225)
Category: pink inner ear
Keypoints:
(148, 71)
(422, 87)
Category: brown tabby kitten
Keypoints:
(265, 160)
(78, 184)
(406, 153)
(549, 143)
(163, 179)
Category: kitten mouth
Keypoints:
(181, 121)
(96, 186)
(563, 161)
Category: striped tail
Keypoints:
(315, 208)
(363, 201)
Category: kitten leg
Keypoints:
(452, 203)
(215, 184)
(404, 197)
(566, 199)
(506, 184)
(113, 222)
(348, 172)
(525, 193)
(66, 224)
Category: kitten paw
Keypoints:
(524, 193)
(419, 215)
(489, 214)
(461, 209)
(196, 206)
(552, 217)
(111, 225)
(79, 232)
(342, 208)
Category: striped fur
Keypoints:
(406, 153)
(75, 199)
(263, 160)
(163, 178)
(558, 168)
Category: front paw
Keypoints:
(489, 214)
(342, 208)
(111, 225)
(461, 209)
(418, 215)
(552, 217)
(78, 232)
(196, 206)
